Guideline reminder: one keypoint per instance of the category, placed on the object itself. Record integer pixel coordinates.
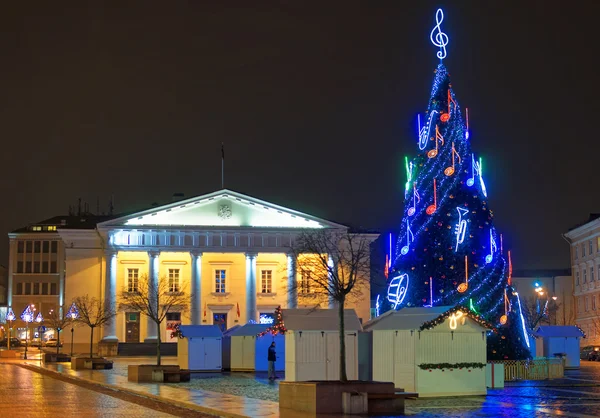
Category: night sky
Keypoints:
(316, 105)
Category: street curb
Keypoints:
(190, 406)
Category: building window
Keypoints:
(36, 288)
(577, 278)
(19, 267)
(19, 289)
(305, 283)
(220, 276)
(51, 227)
(37, 247)
(44, 267)
(585, 275)
(266, 281)
(21, 247)
(54, 247)
(36, 228)
(46, 247)
(28, 246)
(594, 303)
(28, 288)
(576, 252)
(174, 280)
(36, 267)
(591, 248)
(44, 288)
(592, 274)
(132, 280)
(53, 289)
(583, 250)
(53, 268)
(28, 267)
(586, 303)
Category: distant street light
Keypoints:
(27, 316)
(10, 317)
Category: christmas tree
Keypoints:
(278, 326)
(448, 252)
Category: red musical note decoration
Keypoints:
(450, 170)
(445, 117)
(462, 288)
(438, 137)
(432, 208)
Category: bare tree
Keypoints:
(337, 263)
(538, 311)
(58, 321)
(155, 300)
(93, 312)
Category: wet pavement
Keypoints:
(576, 395)
(24, 393)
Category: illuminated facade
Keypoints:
(585, 262)
(230, 251)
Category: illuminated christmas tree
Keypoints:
(448, 252)
(278, 326)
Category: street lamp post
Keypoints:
(27, 317)
(10, 317)
(73, 314)
(39, 319)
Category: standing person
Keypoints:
(272, 356)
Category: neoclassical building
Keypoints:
(229, 251)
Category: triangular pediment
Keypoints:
(224, 208)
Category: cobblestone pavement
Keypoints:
(30, 394)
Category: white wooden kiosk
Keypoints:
(427, 360)
(200, 349)
(552, 340)
(249, 352)
(312, 344)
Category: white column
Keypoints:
(292, 287)
(196, 289)
(11, 262)
(109, 330)
(151, 329)
(251, 286)
(331, 264)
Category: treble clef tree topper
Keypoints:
(439, 39)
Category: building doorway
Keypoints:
(220, 319)
(132, 327)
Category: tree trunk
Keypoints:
(158, 344)
(57, 341)
(92, 342)
(343, 377)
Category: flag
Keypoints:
(238, 309)
(205, 309)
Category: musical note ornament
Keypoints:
(425, 131)
(438, 137)
(462, 288)
(432, 208)
(450, 170)
(409, 238)
(445, 117)
(454, 319)
(493, 248)
(474, 171)
(430, 294)
(416, 199)
(439, 39)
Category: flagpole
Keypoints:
(222, 166)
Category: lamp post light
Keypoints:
(73, 314)
(27, 317)
(10, 317)
(39, 319)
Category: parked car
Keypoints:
(36, 342)
(53, 342)
(590, 352)
(14, 342)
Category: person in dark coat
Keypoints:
(272, 356)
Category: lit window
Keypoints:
(36, 228)
(52, 228)
(220, 276)
(305, 283)
(266, 280)
(132, 280)
(174, 280)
